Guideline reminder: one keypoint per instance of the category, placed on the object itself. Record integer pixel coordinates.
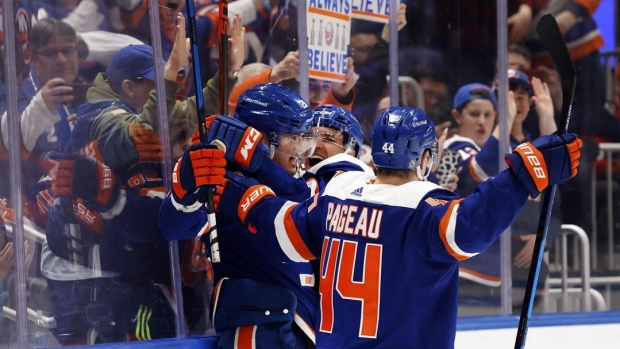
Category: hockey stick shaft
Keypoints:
(223, 55)
(551, 37)
(202, 127)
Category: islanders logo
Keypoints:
(329, 33)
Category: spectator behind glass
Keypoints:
(135, 17)
(369, 50)
(117, 130)
(320, 92)
(466, 32)
(486, 284)
(81, 15)
(434, 84)
(477, 143)
(45, 100)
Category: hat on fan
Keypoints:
(470, 92)
(517, 78)
(130, 63)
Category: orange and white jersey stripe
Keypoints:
(245, 338)
(288, 236)
(447, 232)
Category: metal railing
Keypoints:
(35, 316)
(403, 83)
(31, 232)
(584, 247)
(607, 149)
(609, 74)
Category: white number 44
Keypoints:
(388, 148)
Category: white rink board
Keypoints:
(601, 336)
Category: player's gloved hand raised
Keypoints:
(548, 160)
(90, 180)
(201, 165)
(243, 143)
(237, 195)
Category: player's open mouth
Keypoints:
(293, 161)
(315, 159)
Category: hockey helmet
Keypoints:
(274, 110)
(399, 138)
(342, 120)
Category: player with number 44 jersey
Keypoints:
(389, 245)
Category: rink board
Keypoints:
(599, 330)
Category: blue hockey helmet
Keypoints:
(399, 138)
(340, 119)
(274, 110)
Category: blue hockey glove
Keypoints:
(548, 160)
(238, 195)
(243, 143)
(201, 165)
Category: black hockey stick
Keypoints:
(223, 55)
(551, 37)
(200, 108)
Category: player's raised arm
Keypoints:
(466, 227)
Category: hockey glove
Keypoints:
(237, 196)
(72, 230)
(80, 177)
(243, 143)
(549, 160)
(146, 142)
(200, 166)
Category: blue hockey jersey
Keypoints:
(245, 254)
(389, 254)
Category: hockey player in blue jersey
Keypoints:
(389, 245)
(338, 142)
(258, 294)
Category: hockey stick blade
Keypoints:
(550, 35)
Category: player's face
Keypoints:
(329, 142)
(292, 148)
(476, 121)
(57, 59)
(522, 99)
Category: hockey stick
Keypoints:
(202, 127)
(223, 56)
(551, 37)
